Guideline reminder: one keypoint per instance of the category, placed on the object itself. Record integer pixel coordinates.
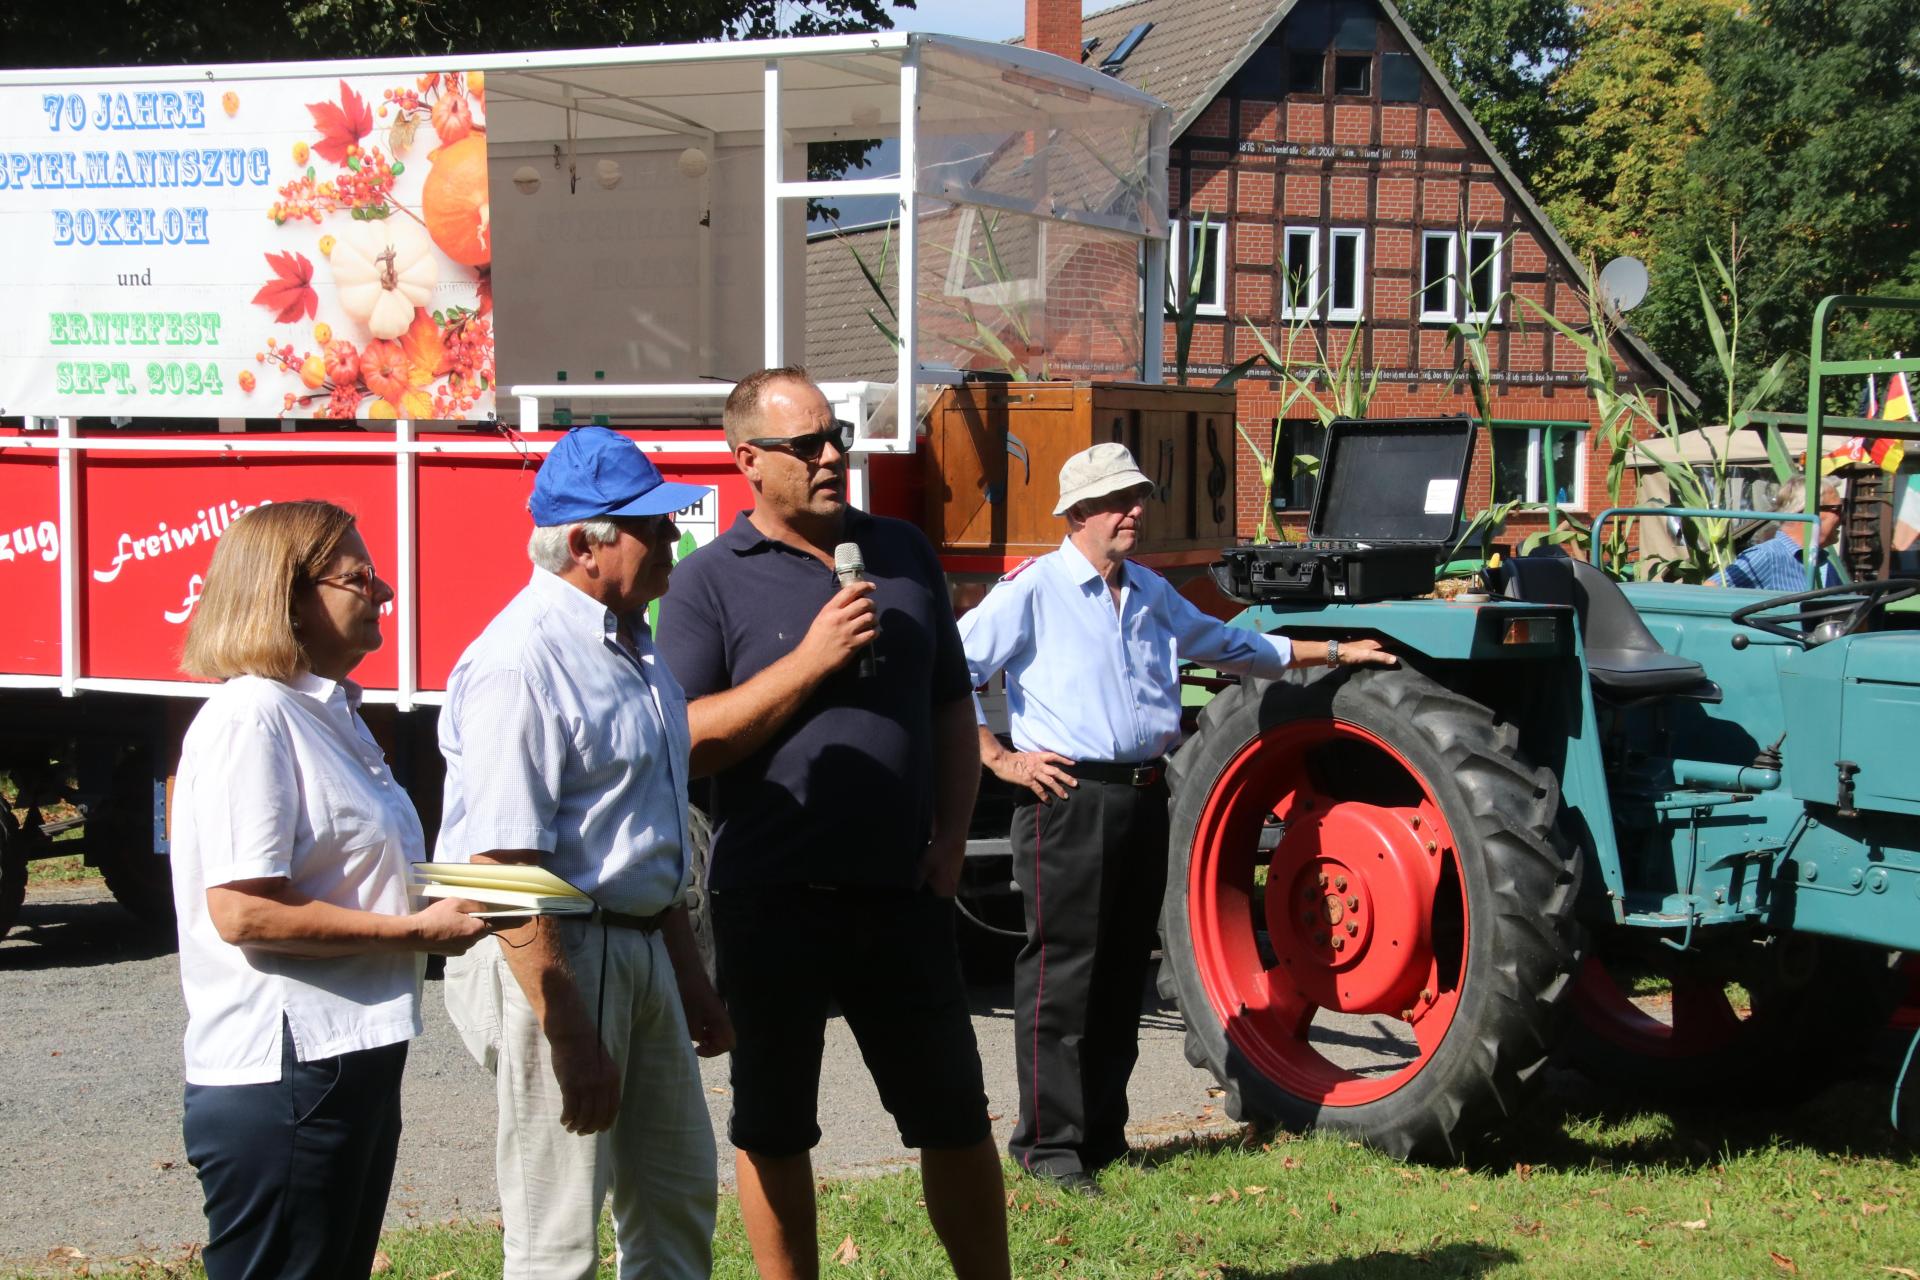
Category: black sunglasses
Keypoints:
(811, 445)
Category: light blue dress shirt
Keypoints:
(560, 738)
(1779, 565)
(1093, 682)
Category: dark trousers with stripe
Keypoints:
(1091, 869)
(296, 1173)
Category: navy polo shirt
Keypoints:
(843, 793)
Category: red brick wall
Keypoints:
(1395, 170)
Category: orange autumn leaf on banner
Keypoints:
(391, 374)
(289, 295)
(424, 346)
(340, 126)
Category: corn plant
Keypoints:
(983, 340)
(1709, 541)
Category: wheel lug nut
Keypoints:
(1308, 895)
(1340, 883)
(1320, 939)
(1306, 918)
(1353, 929)
(1338, 942)
(1426, 995)
(1432, 847)
(1322, 880)
(1415, 820)
(1353, 903)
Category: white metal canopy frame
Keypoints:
(989, 126)
(980, 127)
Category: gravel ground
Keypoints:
(90, 1148)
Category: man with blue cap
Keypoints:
(566, 744)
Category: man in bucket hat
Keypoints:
(566, 745)
(1089, 642)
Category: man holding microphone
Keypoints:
(1090, 644)
(834, 716)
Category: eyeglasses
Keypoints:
(809, 446)
(361, 579)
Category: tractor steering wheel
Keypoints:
(1852, 602)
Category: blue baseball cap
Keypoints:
(595, 471)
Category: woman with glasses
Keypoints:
(300, 957)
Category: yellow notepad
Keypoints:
(512, 889)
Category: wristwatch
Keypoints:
(1333, 653)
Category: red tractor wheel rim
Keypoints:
(1703, 1017)
(1361, 902)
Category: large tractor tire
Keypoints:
(1364, 859)
(1757, 1019)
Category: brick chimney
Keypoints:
(1053, 26)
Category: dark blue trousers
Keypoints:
(296, 1173)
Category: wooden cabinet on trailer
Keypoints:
(991, 465)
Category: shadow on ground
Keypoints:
(63, 933)
(1449, 1260)
(1574, 1123)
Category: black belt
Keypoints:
(621, 920)
(1143, 774)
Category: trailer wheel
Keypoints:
(699, 915)
(1368, 844)
(119, 836)
(13, 869)
(1760, 1018)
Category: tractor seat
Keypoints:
(1624, 661)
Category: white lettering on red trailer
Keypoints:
(43, 538)
(185, 611)
(207, 524)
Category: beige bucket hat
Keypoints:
(1097, 472)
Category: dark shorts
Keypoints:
(887, 959)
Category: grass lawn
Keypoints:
(1586, 1186)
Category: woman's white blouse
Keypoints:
(283, 779)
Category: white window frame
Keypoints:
(1451, 281)
(1493, 282)
(1311, 295)
(1358, 310)
(1189, 233)
(1536, 471)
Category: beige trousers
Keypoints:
(657, 1160)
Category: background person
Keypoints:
(565, 738)
(841, 803)
(1090, 643)
(1779, 564)
(299, 956)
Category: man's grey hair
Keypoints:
(1793, 494)
(547, 547)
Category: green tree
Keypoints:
(1500, 54)
(110, 32)
(1809, 150)
(1630, 107)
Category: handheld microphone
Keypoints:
(850, 567)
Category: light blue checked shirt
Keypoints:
(1774, 565)
(1089, 681)
(560, 738)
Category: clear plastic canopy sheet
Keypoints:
(1035, 198)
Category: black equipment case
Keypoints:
(1386, 506)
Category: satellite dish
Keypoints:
(1623, 282)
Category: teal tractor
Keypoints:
(1669, 834)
